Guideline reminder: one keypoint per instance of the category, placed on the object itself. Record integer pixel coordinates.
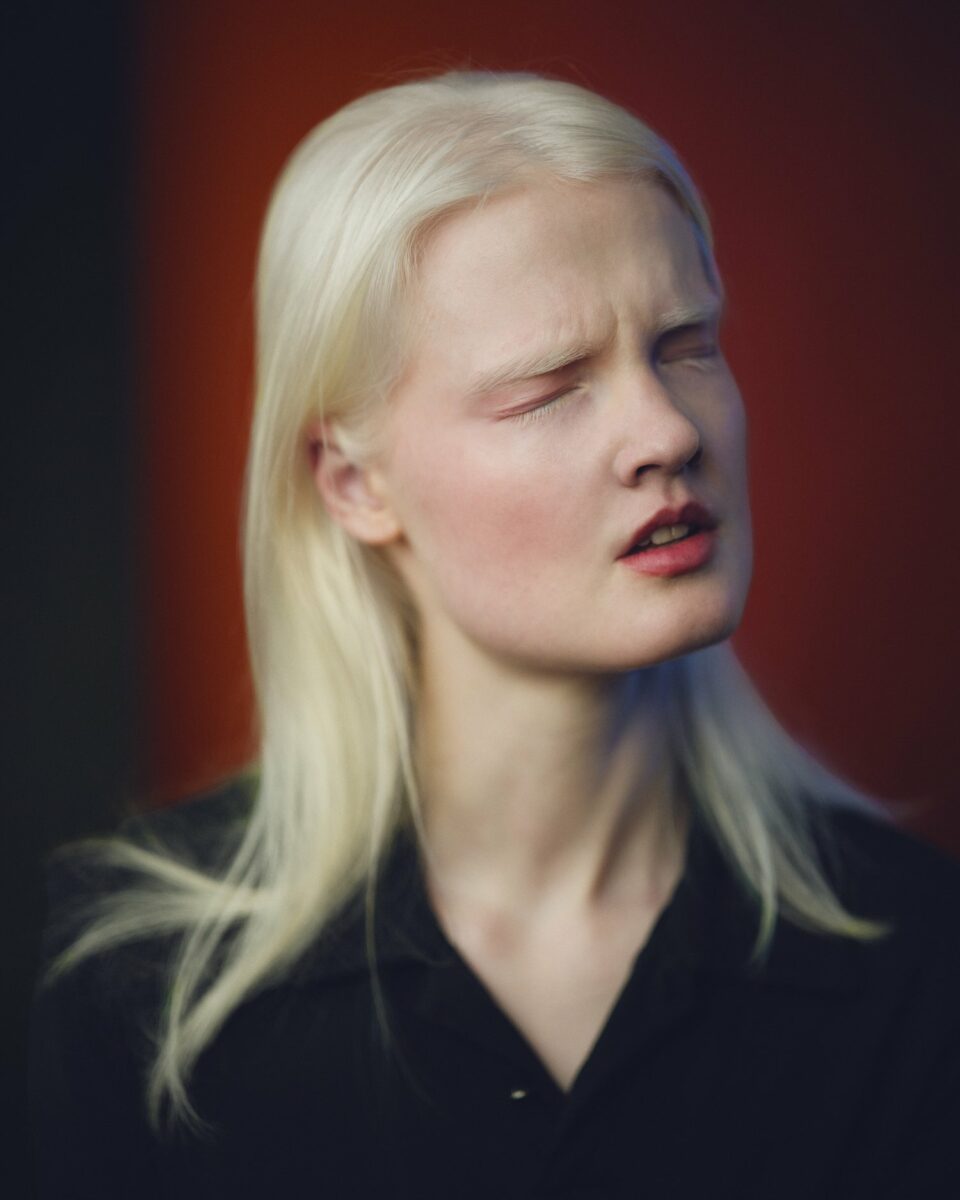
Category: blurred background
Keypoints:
(145, 139)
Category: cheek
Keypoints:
(724, 430)
(491, 511)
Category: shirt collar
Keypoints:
(708, 927)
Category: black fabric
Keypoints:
(833, 1070)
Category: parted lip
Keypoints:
(690, 513)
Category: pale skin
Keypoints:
(555, 829)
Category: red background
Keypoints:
(823, 139)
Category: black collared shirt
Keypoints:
(831, 1071)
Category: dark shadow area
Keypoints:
(67, 474)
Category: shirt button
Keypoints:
(518, 1094)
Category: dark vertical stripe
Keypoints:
(68, 397)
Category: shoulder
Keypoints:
(113, 883)
(910, 999)
(107, 952)
(201, 832)
(883, 872)
(888, 871)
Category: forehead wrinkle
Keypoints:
(563, 342)
(530, 366)
(544, 361)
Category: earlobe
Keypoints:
(351, 491)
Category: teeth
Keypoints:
(666, 533)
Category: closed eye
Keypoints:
(691, 344)
(544, 408)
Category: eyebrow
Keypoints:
(536, 363)
(684, 315)
(530, 366)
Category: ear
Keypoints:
(352, 493)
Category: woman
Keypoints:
(528, 895)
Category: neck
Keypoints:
(538, 788)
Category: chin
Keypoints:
(686, 637)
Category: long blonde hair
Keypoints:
(332, 635)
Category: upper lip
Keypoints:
(690, 513)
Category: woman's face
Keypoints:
(515, 499)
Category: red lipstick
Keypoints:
(674, 558)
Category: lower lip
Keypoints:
(675, 559)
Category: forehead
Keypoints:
(550, 263)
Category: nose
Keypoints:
(655, 432)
